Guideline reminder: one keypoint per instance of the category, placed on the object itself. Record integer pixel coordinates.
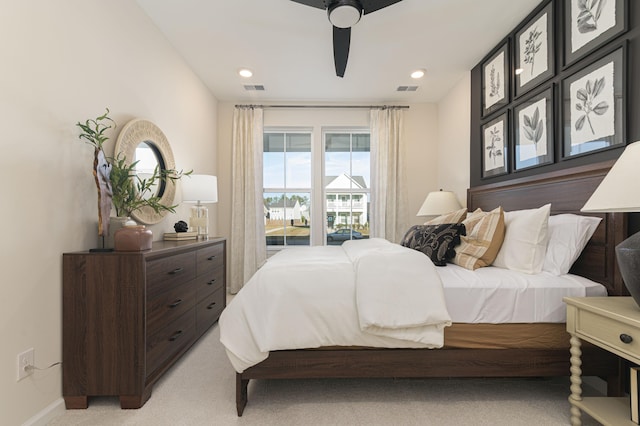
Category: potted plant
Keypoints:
(119, 184)
(130, 192)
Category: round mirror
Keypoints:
(142, 141)
(148, 159)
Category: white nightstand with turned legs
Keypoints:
(613, 324)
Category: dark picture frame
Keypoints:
(534, 58)
(594, 105)
(495, 80)
(586, 29)
(495, 146)
(533, 131)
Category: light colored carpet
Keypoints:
(200, 390)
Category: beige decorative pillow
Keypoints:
(453, 217)
(485, 233)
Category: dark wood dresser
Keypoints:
(129, 316)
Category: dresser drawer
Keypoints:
(210, 282)
(169, 305)
(208, 310)
(169, 340)
(210, 258)
(164, 274)
(608, 332)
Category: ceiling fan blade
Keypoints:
(371, 6)
(313, 3)
(341, 41)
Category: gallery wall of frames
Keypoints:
(561, 90)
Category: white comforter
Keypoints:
(363, 293)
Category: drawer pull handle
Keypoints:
(175, 335)
(211, 305)
(625, 338)
(175, 304)
(211, 257)
(211, 282)
(176, 271)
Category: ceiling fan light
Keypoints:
(418, 74)
(245, 72)
(344, 13)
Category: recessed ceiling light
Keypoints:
(417, 74)
(245, 72)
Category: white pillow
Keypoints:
(525, 240)
(568, 235)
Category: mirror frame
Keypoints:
(134, 133)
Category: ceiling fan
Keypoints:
(343, 14)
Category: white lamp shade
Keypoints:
(199, 189)
(439, 202)
(619, 190)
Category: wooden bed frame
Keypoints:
(567, 191)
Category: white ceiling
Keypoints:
(289, 46)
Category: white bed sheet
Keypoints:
(307, 297)
(497, 295)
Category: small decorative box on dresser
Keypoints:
(129, 316)
(612, 323)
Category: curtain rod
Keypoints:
(327, 106)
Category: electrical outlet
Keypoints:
(25, 364)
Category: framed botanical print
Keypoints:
(534, 51)
(591, 23)
(495, 81)
(594, 105)
(495, 135)
(533, 131)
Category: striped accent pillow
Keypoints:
(485, 233)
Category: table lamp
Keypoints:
(439, 202)
(200, 189)
(618, 193)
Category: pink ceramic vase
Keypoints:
(132, 238)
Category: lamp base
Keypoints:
(628, 255)
(199, 221)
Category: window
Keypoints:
(341, 193)
(347, 183)
(287, 187)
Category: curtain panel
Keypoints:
(248, 247)
(388, 180)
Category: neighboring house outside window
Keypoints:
(289, 165)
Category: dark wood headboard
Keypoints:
(567, 191)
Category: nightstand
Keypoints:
(613, 324)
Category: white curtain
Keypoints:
(248, 246)
(388, 198)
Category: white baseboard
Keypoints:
(49, 413)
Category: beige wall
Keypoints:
(64, 61)
(454, 116)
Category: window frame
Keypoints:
(318, 193)
(351, 130)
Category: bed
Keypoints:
(514, 349)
